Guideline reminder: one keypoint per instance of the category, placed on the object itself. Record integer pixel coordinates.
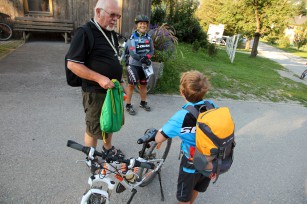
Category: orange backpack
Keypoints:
(215, 140)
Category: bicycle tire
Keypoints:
(96, 199)
(150, 84)
(5, 32)
(154, 153)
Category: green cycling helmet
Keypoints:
(141, 18)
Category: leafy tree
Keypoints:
(252, 18)
(158, 15)
(301, 7)
(181, 15)
(208, 12)
(270, 16)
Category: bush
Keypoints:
(204, 43)
(181, 17)
(170, 78)
(212, 51)
(270, 39)
(195, 46)
(284, 42)
(158, 15)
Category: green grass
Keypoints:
(247, 78)
(302, 52)
(8, 46)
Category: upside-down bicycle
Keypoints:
(5, 28)
(123, 174)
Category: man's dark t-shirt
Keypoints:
(101, 59)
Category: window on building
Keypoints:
(39, 7)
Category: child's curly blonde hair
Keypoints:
(193, 85)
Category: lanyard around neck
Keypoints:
(111, 44)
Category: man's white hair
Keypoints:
(100, 4)
(103, 3)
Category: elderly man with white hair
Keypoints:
(97, 66)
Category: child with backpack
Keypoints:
(193, 88)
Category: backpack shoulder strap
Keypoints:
(209, 105)
(192, 110)
(90, 36)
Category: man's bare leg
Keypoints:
(92, 142)
(89, 141)
(108, 144)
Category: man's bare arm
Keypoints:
(84, 72)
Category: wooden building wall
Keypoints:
(13, 8)
(80, 11)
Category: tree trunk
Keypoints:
(258, 28)
(255, 45)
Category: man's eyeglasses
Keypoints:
(112, 15)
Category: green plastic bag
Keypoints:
(112, 112)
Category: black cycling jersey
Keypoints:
(101, 59)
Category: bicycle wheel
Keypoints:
(96, 199)
(150, 84)
(303, 75)
(154, 151)
(5, 31)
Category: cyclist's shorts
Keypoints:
(187, 182)
(135, 75)
(92, 103)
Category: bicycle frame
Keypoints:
(112, 179)
(123, 173)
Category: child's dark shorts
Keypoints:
(135, 75)
(187, 182)
(92, 103)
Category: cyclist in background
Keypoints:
(141, 49)
(193, 88)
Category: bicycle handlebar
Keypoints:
(85, 150)
(130, 162)
(149, 136)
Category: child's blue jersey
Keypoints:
(183, 124)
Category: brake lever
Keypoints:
(88, 162)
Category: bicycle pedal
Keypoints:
(120, 188)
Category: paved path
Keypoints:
(294, 65)
(39, 113)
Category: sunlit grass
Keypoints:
(246, 78)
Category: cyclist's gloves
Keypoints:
(145, 60)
